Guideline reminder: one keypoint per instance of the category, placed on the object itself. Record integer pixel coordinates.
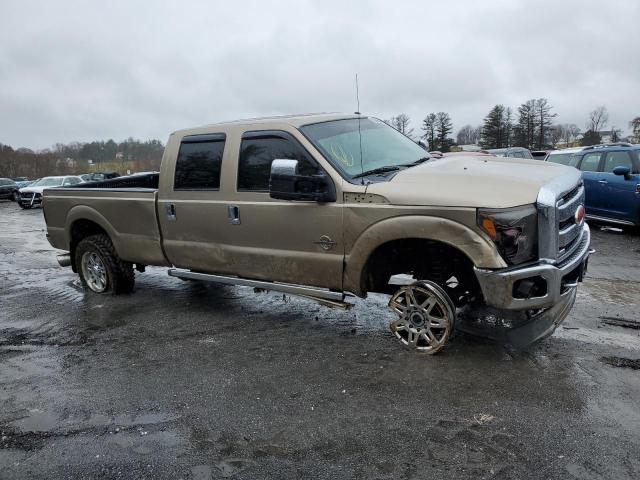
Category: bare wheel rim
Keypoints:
(94, 272)
(425, 317)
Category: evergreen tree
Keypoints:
(496, 130)
(443, 127)
(429, 129)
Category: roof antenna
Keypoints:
(359, 131)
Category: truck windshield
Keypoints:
(383, 147)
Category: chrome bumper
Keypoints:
(498, 285)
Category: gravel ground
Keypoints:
(185, 380)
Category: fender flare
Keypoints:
(478, 249)
(84, 212)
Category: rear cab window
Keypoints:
(259, 149)
(199, 162)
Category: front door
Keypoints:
(288, 241)
(621, 197)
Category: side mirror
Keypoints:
(286, 183)
(622, 171)
(423, 144)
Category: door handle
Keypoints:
(233, 214)
(604, 182)
(170, 209)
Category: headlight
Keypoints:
(513, 230)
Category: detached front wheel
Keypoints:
(426, 316)
(100, 268)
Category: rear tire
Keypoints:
(16, 196)
(100, 268)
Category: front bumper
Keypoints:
(30, 199)
(502, 289)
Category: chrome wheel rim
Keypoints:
(426, 317)
(94, 272)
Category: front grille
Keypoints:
(569, 232)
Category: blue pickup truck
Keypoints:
(611, 176)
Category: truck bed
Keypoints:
(125, 208)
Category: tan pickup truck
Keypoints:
(330, 206)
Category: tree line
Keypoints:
(78, 158)
(531, 126)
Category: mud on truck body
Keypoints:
(332, 206)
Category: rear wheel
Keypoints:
(426, 316)
(100, 268)
(16, 196)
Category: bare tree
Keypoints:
(401, 123)
(468, 135)
(615, 134)
(569, 133)
(598, 118)
(556, 133)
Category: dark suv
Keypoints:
(8, 189)
(611, 174)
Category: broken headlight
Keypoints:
(513, 230)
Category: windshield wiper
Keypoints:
(387, 168)
(417, 162)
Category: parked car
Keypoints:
(611, 174)
(566, 156)
(31, 196)
(98, 176)
(513, 152)
(8, 189)
(20, 179)
(285, 204)
(25, 183)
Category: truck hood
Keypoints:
(468, 181)
(33, 189)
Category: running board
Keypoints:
(311, 292)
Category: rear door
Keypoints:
(621, 201)
(594, 189)
(191, 205)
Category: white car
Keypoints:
(31, 196)
(564, 156)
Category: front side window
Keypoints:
(590, 162)
(360, 145)
(617, 159)
(199, 162)
(258, 151)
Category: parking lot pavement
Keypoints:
(185, 380)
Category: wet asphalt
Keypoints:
(188, 380)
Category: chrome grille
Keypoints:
(569, 232)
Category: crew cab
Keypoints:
(330, 206)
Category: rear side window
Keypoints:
(590, 162)
(617, 159)
(199, 162)
(259, 150)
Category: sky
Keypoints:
(88, 70)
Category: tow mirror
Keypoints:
(286, 183)
(623, 171)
